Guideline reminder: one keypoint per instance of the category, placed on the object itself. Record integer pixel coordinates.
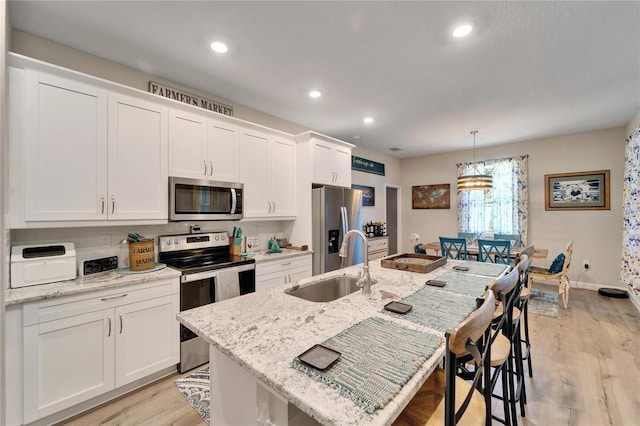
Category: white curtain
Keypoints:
(630, 267)
(509, 198)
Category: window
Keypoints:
(502, 210)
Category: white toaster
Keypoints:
(42, 264)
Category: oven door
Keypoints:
(199, 290)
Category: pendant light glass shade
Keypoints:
(475, 181)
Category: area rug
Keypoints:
(195, 389)
(543, 302)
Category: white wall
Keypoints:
(633, 124)
(4, 41)
(393, 176)
(597, 234)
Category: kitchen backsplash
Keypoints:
(105, 241)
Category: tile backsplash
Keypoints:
(93, 242)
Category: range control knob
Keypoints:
(217, 238)
(176, 241)
(222, 237)
(168, 242)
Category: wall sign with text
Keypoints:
(188, 98)
(367, 166)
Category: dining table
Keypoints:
(539, 253)
(258, 342)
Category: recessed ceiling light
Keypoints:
(395, 148)
(368, 120)
(315, 93)
(356, 136)
(220, 47)
(462, 30)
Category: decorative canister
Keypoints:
(142, 255)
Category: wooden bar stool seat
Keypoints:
(427, 406)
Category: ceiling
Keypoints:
(527, 70)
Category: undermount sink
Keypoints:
(326, 290)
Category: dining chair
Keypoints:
(471, 237)
(515, 238)
(445, 398)
(494, 251)
(561, 278)
(418, 249)
(453, 248)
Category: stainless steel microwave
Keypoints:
(196, 199)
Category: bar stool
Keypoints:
(447, 399)
(525, 295)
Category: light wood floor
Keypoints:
(586, 372)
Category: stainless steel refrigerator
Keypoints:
(334, 212)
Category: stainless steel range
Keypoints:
(209, 274)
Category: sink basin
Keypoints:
(326, 290)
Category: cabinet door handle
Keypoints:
(107, 299)
(102, 201)
(205, 167)
(285, 264)
(113, 204)
(274, 206)
(269, 203)
(210, 168)
(109, 335)
(120, 323)
(289, 275)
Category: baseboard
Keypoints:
(590, 286)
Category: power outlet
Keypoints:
(585, 264)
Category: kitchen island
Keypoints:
(254, 339)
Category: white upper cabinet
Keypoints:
(187, 145)
(222, 150)
(330, 159)
(267, 169)
(202, 147)
(65, 137)
(138, 148)
(89, 154)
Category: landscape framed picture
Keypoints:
(368, 194)
(577, 191)
(431, 196)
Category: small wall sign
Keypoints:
(188, 98)
(367, 166)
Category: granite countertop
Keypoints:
(265, 255)
(82, 285)
(263, 332)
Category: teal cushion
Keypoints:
(419, 250)
(557, 264)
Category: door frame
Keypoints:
(399, 211)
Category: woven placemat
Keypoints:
(378, 358)
(437, 309)
(481, 268)
(464, 283)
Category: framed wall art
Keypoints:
(368, 194)
(431, 196)
(577, 191)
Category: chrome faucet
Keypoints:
(364, 278)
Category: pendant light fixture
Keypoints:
(474, 181)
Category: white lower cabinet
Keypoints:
(79, 347)
(286, 271)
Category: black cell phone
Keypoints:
(461, 268)
(436, 283)
(398, 307)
